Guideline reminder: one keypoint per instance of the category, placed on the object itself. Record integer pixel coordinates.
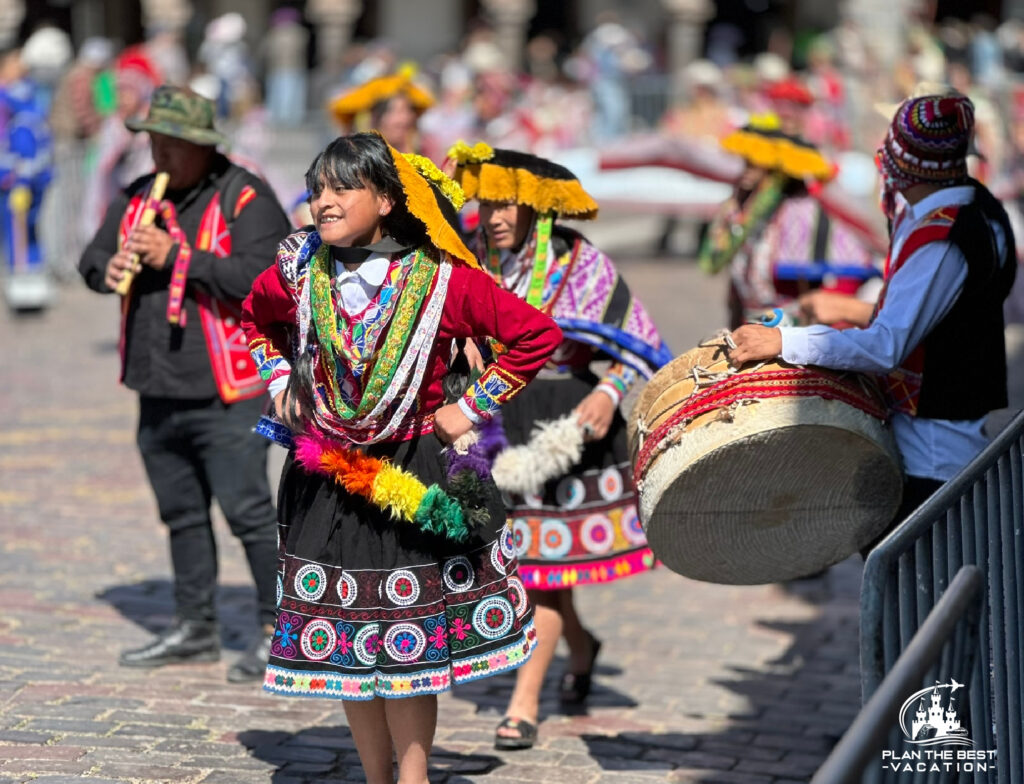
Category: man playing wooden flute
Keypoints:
(216, 228)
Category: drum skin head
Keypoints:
(728, 518)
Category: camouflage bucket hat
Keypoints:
(181, 113)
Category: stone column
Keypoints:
(510, 18)
(685, 36)
(334, 20)
(12, 12)
(883, 26)
(167, 15)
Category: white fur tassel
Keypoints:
(554, 448)
(464, 442)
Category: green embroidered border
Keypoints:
(325, 320)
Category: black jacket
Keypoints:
(162, 360)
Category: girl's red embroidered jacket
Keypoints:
(474, 306)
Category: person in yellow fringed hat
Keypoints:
(389, 104)
(775, 237)
(574, 520)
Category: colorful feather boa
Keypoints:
(453, 513)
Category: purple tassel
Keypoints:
(492, 438)
(480, 456)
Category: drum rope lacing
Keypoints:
(734, 393)
(702, 378)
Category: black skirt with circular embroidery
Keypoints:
(583, 527)
(373, 607)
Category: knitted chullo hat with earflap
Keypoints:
(927, 142)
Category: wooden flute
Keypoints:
(156, 193)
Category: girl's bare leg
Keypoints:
(412, 721)
(525, 701)
(369, 727)
(581, 644)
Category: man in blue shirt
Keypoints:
(951, 264)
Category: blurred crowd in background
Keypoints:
(611, 84)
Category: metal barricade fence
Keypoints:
(975, 518)
(948, 637)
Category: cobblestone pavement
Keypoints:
(697, 683)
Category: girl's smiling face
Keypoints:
(349, 216)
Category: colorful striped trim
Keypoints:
(761, 385)
(508, 658)
(295, 683)
(543, 577)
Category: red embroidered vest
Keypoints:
(902, 387)
(234, 371)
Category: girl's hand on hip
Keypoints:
(450, 423)
(289, 410)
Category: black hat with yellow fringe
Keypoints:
(434, 200)
(510, 176)
(762, 144)
(349, 105)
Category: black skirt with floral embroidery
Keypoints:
(371, 607)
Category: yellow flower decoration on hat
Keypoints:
(446, 184)
(769, 121)
(462, 153)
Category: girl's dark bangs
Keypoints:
(339, 166)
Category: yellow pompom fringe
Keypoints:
(419, 199)
(490, 182)
(364, 97)
(776, 154)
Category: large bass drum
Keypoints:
(763, 474)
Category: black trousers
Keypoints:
(195, 451)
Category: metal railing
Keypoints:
(975, 518)
(860, 748)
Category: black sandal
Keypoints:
(524, 740)
(575, 686)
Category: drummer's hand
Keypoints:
(152, 244)
(596, 410)
(119, 263)
(754, 342)
(829, 307)
(450, 423)
(289, 409)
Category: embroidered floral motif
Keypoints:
(494, 387)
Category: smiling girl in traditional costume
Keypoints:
(398, 575)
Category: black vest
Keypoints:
(964, 374)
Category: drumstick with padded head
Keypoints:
(156, 193)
